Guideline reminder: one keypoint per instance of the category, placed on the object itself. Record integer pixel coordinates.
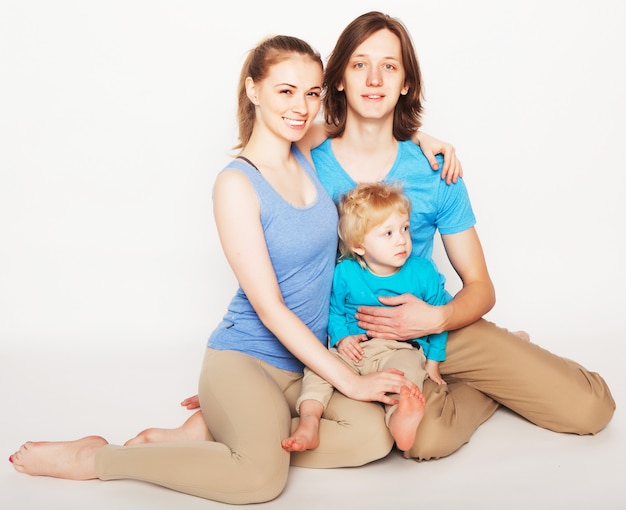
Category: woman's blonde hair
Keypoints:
(269, 52)
(365, 207)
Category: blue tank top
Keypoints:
(302, 243)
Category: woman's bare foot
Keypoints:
(406, 418)
(72, 460)
(305, 437)
(194, 429)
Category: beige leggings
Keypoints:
(248, 406)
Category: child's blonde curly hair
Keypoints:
(363, 208)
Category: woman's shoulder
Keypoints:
(235, 179)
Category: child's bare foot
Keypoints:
(194, 429)
(72, 460)
(406, 418)
(305, 437)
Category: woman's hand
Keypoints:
(377, 386)
(431, 146)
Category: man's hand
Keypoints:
(405, 317)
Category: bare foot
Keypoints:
(305, 437)
(406, 418)
(72, 460)
(193, 429)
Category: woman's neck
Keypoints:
(268, 151)
(273, 159)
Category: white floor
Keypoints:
(508, 464)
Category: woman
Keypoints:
(278, 229)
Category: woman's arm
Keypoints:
(410, 317)
(237, 215)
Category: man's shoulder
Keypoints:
(412, 158)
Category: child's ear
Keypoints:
(358, 251)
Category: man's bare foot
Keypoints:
(72, 460)
(406, 418)
(305, 437)
(194, 429)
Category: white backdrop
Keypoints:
(115, 116)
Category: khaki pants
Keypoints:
(486, 366)
(248, 406)
(378, 354)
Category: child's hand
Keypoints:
(349, 346)
(432, 368)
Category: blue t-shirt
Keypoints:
(435, 204)
(302, 243)
(354, 286)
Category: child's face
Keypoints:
(387, 246)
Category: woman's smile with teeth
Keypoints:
(294, 122)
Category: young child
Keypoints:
(375, 247)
